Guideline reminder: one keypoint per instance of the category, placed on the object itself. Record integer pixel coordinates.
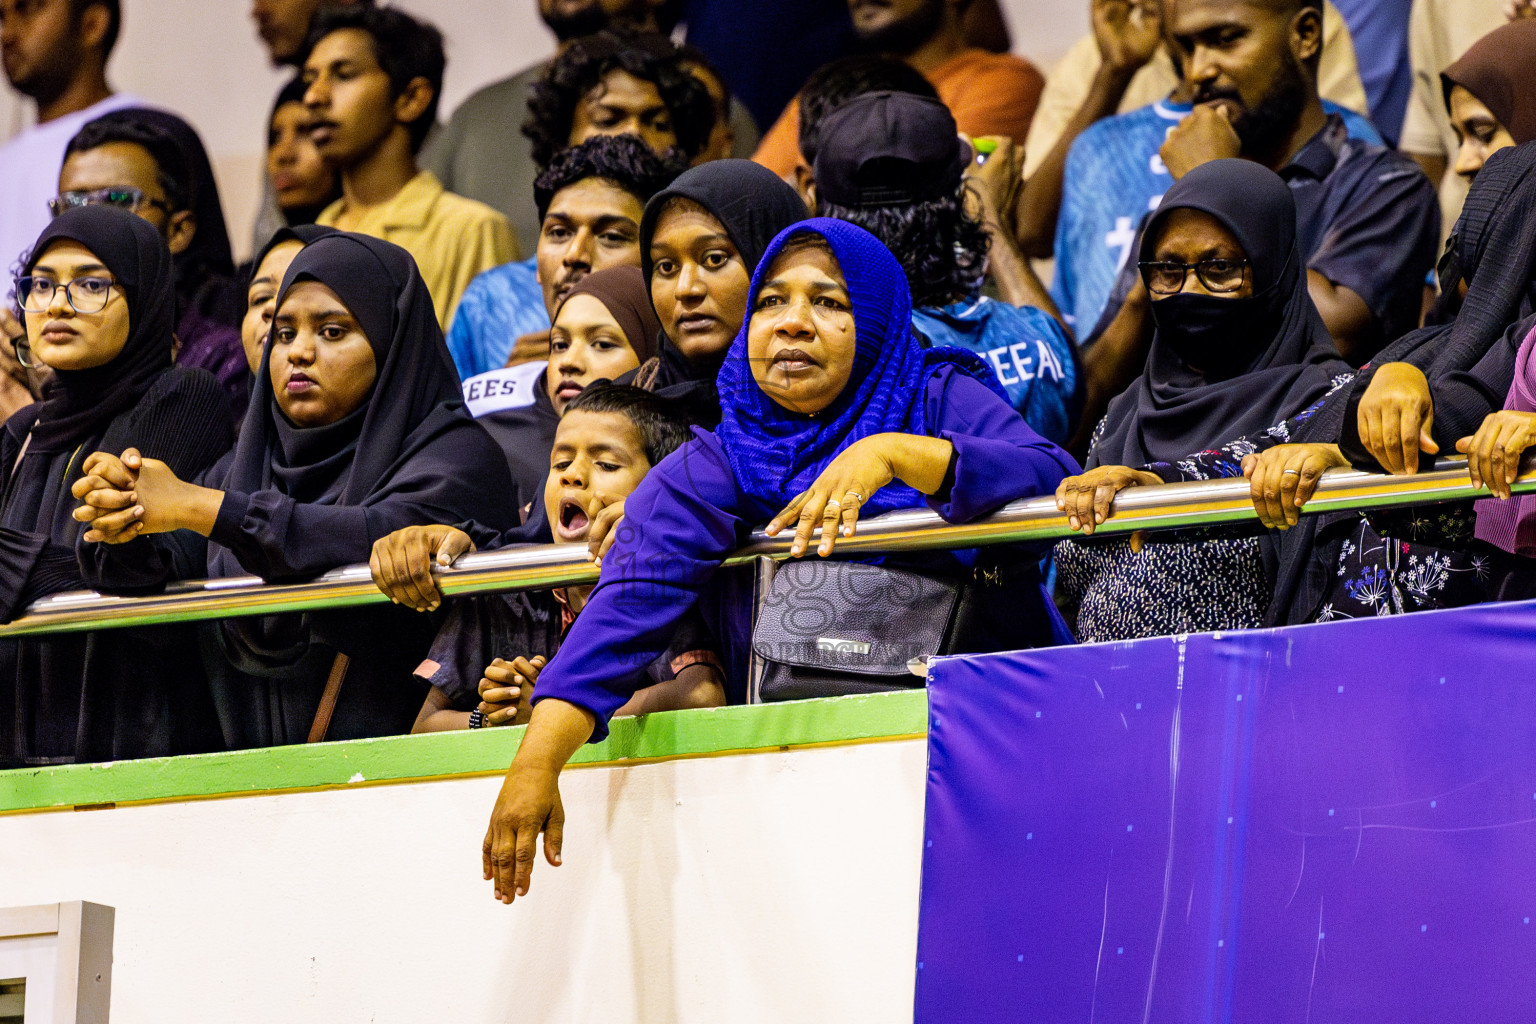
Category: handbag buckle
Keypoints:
(836, 645)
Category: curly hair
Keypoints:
(405, 48)
(621, 159)
(942, 249)
(581, 67)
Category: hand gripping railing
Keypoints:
(1204, 503)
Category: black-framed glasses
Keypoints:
(84, 294)
(1166, 277)
(123, 197)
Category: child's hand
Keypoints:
(401, 563)
(605, 517)
(506, 689)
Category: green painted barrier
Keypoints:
(658, 737)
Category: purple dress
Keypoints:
(689, 513)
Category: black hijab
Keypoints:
(1492, 250)
(301, 233)
(79, 403)
(1469, 362)
(346, 462)
(750, 201)
(1279, 358)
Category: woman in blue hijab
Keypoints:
(830, 409)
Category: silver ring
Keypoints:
(1296, 471)
(855, 494)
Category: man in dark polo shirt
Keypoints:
(1368, 223)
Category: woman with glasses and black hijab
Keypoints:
(1238, 347)
(98, 300)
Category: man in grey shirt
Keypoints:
(482, 152)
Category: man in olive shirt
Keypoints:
(373, 77)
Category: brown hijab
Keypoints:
(622, 290)
(1499, 70)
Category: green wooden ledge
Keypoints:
(394, 759)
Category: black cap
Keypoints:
(888, 149)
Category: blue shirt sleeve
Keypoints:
(499, 306)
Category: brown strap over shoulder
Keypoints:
(328, 696)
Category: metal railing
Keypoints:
(1204, 503)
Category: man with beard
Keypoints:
(988, 93)
(1368, 221)
(1082, 203)
(482, 154)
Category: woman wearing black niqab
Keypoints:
(296, 500)
(749, 204)
(1261, 359)
(117, 693)
(1219, 368)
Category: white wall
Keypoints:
(202, 59)
(752, 888)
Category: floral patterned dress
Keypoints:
(1392, 561)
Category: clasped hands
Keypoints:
(127, 496)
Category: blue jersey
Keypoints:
(1030, 353)
(499, 306)
(1113, 177)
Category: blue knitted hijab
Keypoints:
(775, 453)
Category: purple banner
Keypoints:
(1318, 825)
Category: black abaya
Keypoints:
(116, 693)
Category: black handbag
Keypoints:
(830, 629)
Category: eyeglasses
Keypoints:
(124, 198)
(1164, 277)
(84, 294)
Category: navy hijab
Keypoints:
(776, 453)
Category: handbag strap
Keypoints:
(328, 696)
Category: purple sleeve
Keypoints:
(998, 458)
(679, 524)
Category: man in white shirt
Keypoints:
(55, 52)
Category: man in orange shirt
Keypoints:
(988, 93)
